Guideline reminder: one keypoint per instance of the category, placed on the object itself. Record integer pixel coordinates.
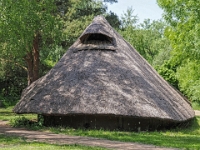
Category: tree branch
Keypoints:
(17, 64)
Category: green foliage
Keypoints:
(21, 20)
(24, 121)
(88, 7)
(163, 47)
(168, 72)
(20, 122)
(113, 19)
(128, 19)
(80, 14)
(148, 40)
(188, 76)
(196, 105)
(50, 56)
(58, 22)
(6, 101)
(20, 23)
(6, 114)
(74, 28)
(111, 1)
(40, 121)
(12, 80)
(184, 34)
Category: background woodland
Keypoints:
(35, 34)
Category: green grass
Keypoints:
(187, 138)
(18, 143)
(196, 105)
(7, 114)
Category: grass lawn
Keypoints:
(187, 138)
(6, 114)
(196, 105)
(178, 138)
(18, 143)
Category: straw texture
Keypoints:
(102, 74)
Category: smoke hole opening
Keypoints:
(97, 37)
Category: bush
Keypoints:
(188, 76)
(168, 72)
(22, 121)
(6, 101)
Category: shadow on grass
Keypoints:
(178, 138)
(7, 113)
(188, 138)
(193, 128)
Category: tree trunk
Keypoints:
(29, 61)
(36, 57)
(33, 60)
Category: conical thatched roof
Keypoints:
(102, 74)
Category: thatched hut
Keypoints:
(103, 82)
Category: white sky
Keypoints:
(144, 9)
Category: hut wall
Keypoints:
(110, 122)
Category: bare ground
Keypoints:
(197, 113)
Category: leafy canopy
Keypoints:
(21, 20)
(184, 35)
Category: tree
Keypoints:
(147, 38)
(36, 34)
(80, 14)
(113, 19)
(184, 34)
(110, 1)
(26, 26)
(184, 29)
(128, 19)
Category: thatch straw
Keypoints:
(106, 76)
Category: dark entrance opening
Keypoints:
(90, 38)
(112, 122)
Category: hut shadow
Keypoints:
(189, 127)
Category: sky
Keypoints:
(144, 9)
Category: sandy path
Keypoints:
(197, 113)
(66, 139)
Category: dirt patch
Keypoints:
(3, 123)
